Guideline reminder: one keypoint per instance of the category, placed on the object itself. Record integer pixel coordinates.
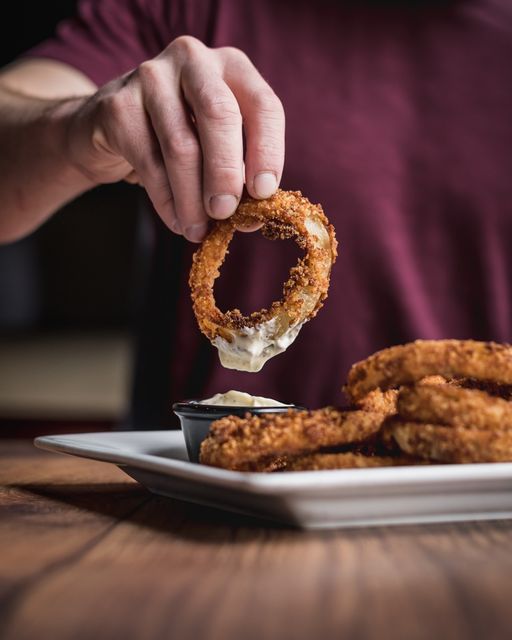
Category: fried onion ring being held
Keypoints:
(406, 364)
(239, 443)
(247, 342)
(454, 406)
(453, 444)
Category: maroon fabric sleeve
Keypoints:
(109, 37)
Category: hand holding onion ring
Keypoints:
(247, 342)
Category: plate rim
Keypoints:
(382, 478)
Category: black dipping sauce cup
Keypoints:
(196, 418)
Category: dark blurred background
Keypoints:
(66, 292)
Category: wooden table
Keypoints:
(86, 553)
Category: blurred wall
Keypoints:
(77, 270)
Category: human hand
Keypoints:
(176, 124)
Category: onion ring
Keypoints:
(247, 342)
(240, 443)
(455, 406)
(453, 444)
(406, 364)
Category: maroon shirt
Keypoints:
(399, 121)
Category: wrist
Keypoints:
(63, 138)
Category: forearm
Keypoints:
(36, 176)
(138, 127)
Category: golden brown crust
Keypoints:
(240, 443)
(453, 444)
(406, 364)
(347, 460)
(386, 401)
(450, 405)
(266, 465)
(433, 380)
(285, 215)
(379, 401)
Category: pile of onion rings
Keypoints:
(247, 342)
(461, 414)
(425, 402)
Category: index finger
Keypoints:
(219, 125)
(264, 124)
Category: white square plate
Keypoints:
(308, 499)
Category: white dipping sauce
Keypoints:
(241, 399)
(253, 346)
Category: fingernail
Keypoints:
(196, 232)
(265, 184)
(222, 206)
(175, 226)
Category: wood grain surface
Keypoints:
(86, 553)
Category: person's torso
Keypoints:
(398, 123)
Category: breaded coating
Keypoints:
(385, 401)
(267, 465)
(453, 444)
(406, 364)
(347, 460)
(379, 401)
(240, 443)
(455, 406)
